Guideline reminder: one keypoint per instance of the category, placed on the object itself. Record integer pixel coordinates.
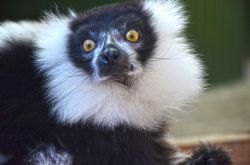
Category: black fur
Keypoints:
(22, 108)
(208, 154)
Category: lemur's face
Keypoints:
(113, 45)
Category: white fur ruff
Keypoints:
(172, 78)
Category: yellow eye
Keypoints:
(132, 36)
(88, 45)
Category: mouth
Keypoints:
(122, 75)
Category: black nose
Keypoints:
(110, 55)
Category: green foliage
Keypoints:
(29, 9)
(218, 31)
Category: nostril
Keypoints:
(112, 54)
(115, 55)
(104, 59)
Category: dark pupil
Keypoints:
(89, 46)
(132, 36)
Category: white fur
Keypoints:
(162, 86)
(24, 30)
(49, 156)
(178, 158)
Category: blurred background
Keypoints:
(220, 31)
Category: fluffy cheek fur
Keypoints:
(172, 77)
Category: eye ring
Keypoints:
(133, 35)
(88, 45)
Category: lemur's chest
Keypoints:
(121, 146)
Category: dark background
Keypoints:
(219, 29)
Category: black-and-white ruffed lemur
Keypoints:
(95, 88)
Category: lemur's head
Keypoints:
(126, 63)
(113, 42)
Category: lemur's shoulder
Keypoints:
(17, 54)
